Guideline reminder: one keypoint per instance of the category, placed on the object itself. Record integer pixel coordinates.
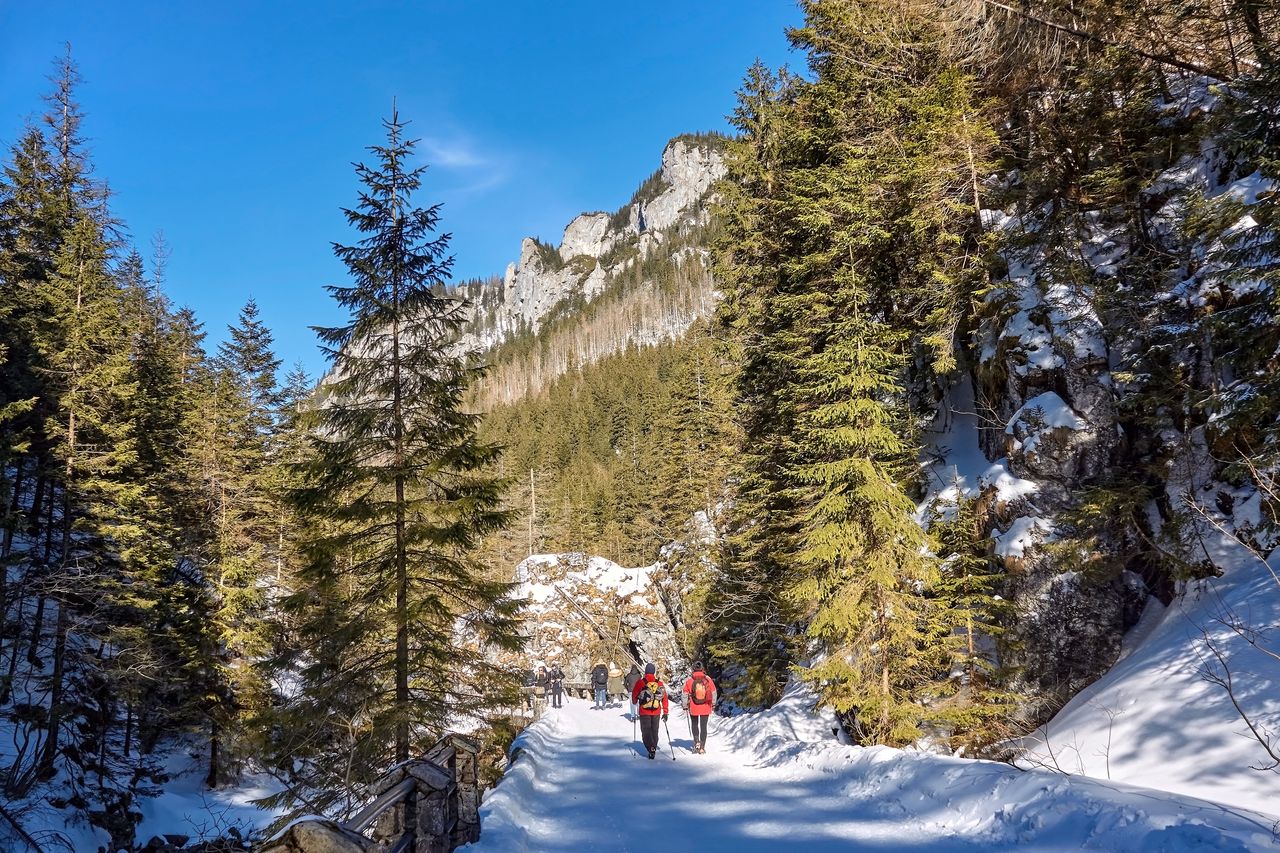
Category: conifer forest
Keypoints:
(924, 387)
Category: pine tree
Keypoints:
(752, 620)
(395, 496)
(854, 251)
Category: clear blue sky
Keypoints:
(231, 125)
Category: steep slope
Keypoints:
(1113, 498)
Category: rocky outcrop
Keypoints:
(585, 235)
(1044, 417)
(597, 247)
(585, 609)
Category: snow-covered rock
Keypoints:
(574, 598)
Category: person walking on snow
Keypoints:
(557, 684)
(600, 684)
(651, 695)
(633, 675)
(700, 693)
(540, 684)
(615, 682)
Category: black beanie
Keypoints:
(650, 669)
(697, 666)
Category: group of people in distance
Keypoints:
(649, 701)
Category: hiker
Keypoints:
(527, 683)
(700, 693)
(615, 682)
(633, 675)
(540, 684)
(651, 695)
(557, 684)
(600, 684)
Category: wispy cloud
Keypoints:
(453, 153)
(473, 168)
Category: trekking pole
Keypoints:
(669, 746)
(633, 734)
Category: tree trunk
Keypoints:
(37, 499)
(401, 558)
(15, 505)
(211, 781)
(56, 692)
(37, 628)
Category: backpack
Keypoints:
(700, 693)
(651, 696)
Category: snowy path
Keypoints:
(600, 792)
(778, 780)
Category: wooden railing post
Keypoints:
(427, 805)
(465, 765)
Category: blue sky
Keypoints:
(231, 126)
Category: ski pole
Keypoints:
(669, 746)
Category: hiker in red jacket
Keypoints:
(700, 691)
(651, 696)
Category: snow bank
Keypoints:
(1154, 719)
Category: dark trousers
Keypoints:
(649, 730)
(555, 696)
(698, 727)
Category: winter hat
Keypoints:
(697, 666)
(650, 669)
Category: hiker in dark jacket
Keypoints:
(633, 675)
(600, 684)
(700, 693)
(651, 695)
(540, 683)
(557, 684)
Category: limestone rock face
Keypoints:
(688, 171)
(1044, 372)
(534, 284)
(596, 247)
(585, 235)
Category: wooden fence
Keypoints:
(426, 805)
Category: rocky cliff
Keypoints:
(624, 255)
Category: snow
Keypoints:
(780, 780)
(1022, 534)
(957, 467)
(1154, 720)
(185, 806)
(1048, 409)
(598, 572)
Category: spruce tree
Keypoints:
(752, 620)
(394, 614)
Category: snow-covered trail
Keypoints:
(778, 780)
(599, 791)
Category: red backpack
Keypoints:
(700, 693)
